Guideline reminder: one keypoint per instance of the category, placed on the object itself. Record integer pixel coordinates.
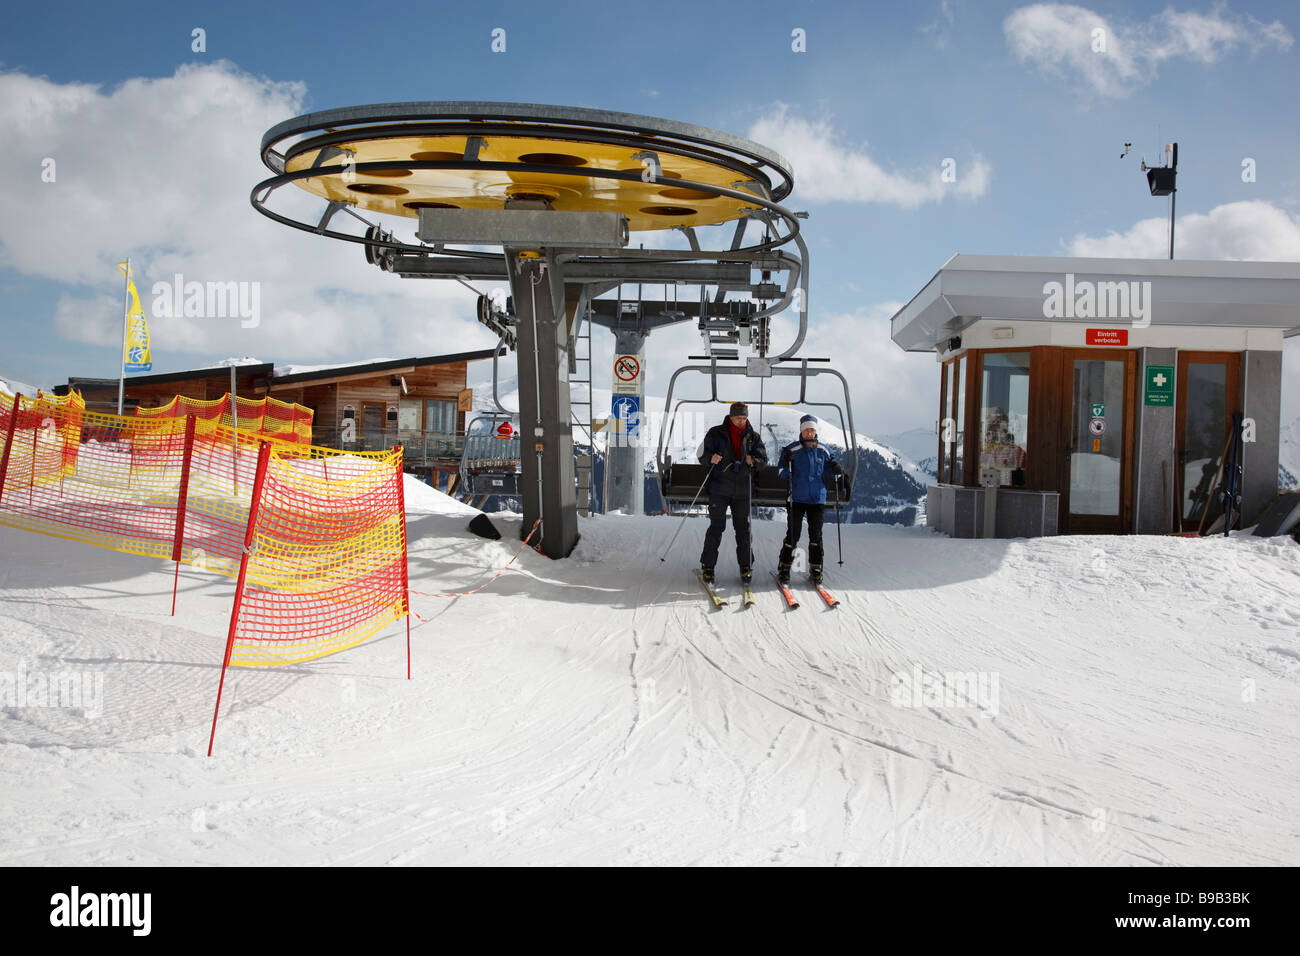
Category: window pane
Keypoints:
(1004, 415)
(440, 416)
(1097, 436)
(945, 403)
(1207, 395)
(959, 437)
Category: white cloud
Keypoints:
(161, 169)
(827, 169)
(1239, 230)
(1062, 39)
(891, 390)
(939, 30)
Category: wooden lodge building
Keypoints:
(421, 403)
(1083, 396)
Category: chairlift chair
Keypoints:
(680, 481)
(490, 464)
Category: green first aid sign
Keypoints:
(1159, 385)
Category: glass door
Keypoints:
(372, 426)
(1208, 390)
(1096, 495)
(952, 422)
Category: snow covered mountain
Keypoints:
(1288, 457)
(1045, 702)
(9, 386)
(890, 487)
(917, 444)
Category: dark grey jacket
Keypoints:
(731, 477)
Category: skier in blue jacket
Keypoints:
(803, 463)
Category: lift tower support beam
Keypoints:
(548, 485)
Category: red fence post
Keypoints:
(31, 485)
(63, 453)
(9, 442)
(181, 496)
(263, 456)
(406, 592)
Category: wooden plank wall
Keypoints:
(1045, 466)
(443, 382)
(153, 395)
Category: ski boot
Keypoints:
(815, 573)
(783, 572)
(746, 576)
(707, 574)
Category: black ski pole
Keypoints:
(839, 542)
(750, 469)
(1232, 483)
(707, 474)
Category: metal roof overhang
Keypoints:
(324, 376)
(1224, 294)
(263, 369)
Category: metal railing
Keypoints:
(417, 445)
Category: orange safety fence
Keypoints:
(327, 561)
(323, 562)
(315, 536)
(115, 481)
(267, 417)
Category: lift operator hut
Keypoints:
(1097, 395)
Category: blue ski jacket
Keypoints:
(804, 467)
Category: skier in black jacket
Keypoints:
(736, 452)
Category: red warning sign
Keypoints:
(627, 368)
(1107, 337)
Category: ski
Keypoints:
(747, 591)
(825, 595)
(785, 591)
(713, 594)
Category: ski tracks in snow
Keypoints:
(601, 711)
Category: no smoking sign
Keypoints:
(628, 379)
(627, 368)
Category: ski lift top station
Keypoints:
(1099, 395)
(556, 191)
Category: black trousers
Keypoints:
(795, 515)
(718, 505)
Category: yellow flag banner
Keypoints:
(136, 355)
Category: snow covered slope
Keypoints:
(9, 386)
(917, 444)
(1288, 458)
(1135, 704)
(889, 488)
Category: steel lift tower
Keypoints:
(554, 194)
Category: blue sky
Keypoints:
(882, 94)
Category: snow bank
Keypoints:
(10, 387)
(1061, 701)
(422, 498)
